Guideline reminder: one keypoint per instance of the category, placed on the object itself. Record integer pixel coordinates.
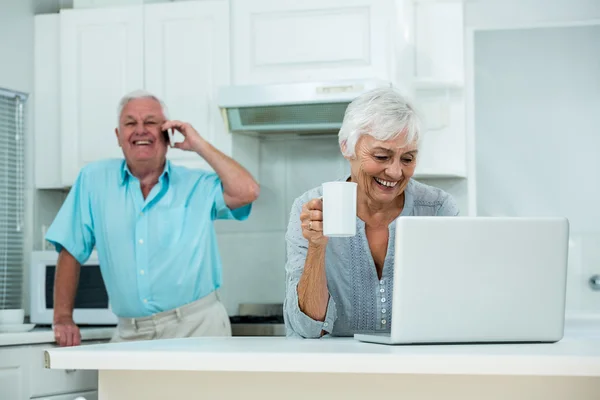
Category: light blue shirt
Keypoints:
(155, 254)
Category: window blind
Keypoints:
(12, 196)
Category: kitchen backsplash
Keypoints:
(255, 271)
(253, 251)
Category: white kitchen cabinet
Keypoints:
(23, 376)
(14, 373)
(438, 83)
(178, 51)
(48, 382)
(443, 147)
(101, 59)
(291, 41)
(439, 44)
(46, 101)
(88, 58)
(187, 58)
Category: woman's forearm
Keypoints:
(313, 294)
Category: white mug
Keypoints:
(339, 209)
(14, 316)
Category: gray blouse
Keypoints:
(358, 301)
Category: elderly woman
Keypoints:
(341, 286)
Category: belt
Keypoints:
(173, 315)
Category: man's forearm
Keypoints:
(239, 187)
(313, 294)
(65, 285)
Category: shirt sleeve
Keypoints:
(297, 323)
(73, 228)
(220, 210)
(448, 208)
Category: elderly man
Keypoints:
(152, 225)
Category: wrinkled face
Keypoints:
(382, 169)
(139, 132)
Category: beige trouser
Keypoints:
(204, 317)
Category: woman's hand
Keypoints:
(311, 219)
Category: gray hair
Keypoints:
(139, 94)
(382, 113)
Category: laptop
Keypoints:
(477, 280)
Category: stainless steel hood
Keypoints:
(312, 107)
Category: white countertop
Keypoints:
(573, 356)
(45, 335)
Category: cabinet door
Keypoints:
(14, 373)
(443, 147)
(48, 382)
(439, 42)
(187, 58)
(47, 101)
(101, 60)
(276, 41)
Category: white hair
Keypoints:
(139, 94)
(382, 113)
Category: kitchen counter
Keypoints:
(45, 335)
(272, 367)
(569, 357)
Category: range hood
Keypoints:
(301, 108)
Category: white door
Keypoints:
(187, 58)
(276, 41)
(101, 60)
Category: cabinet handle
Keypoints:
(595, 282)
(70, 371)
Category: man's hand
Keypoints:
(239, 187)
(66, 333)
(192, 142)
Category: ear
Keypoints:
(343, 148)
(117, 135)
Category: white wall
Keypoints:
(537, 99)
(16, 45)
(16, 73)
(503, 13)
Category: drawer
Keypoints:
(47, 382)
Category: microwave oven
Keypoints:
(91, 305)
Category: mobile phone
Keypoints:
(166, 136)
